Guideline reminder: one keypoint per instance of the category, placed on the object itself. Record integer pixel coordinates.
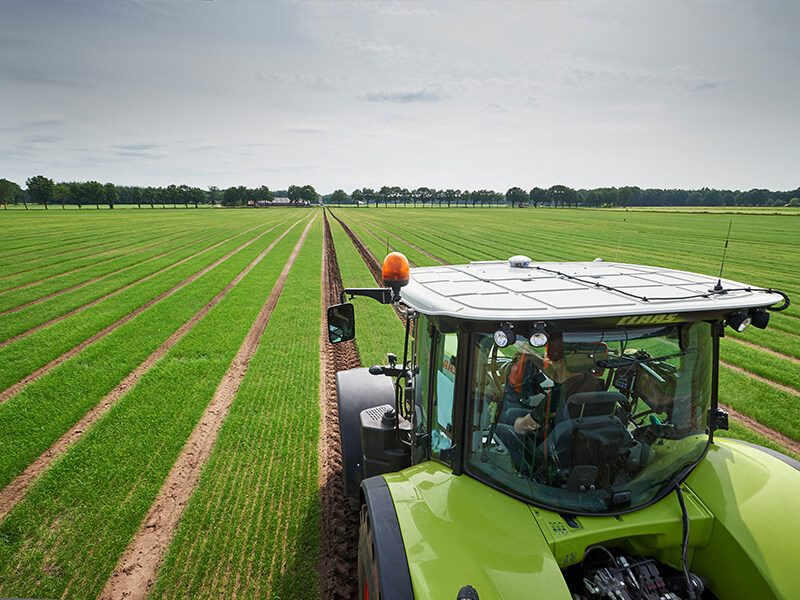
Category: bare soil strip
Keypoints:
(14, 389)
(122, 289)
(425, 252)
(767, 350)
(336, 569)
(15, 491)
(780, 386)
(768, 432)
(85, 283)
(135, 572)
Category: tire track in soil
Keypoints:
(14, 389)
(134, 575)
(90, 281)
(337, 574)
(15, 491)
(33, 330)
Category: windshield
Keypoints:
(594, 422)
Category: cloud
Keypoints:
(33, 126)
(135, 147)
(405, 97)
(41, 78)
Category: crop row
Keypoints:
(28, 354)
(58, 285)
(52, 306)
(53, 265)
(250, 529)
(47, 407)
(66, 536)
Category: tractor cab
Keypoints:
(579, 389)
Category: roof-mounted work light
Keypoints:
(538, 336)
(760, 318)
(505, 336)
(739, 321)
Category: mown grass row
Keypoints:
(66, 537)
(57, 264)
(28, 317)
(250, 529)
(34, 419)
(27, 354)
(26, 241)
(43, 288)
(378, 330)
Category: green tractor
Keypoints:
(549, 433)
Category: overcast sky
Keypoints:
(440, 94)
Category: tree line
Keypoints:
(564, 197)
(42, 190)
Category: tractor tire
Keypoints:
(368, 587)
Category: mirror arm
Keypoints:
(382, 295)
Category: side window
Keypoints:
(443, 393)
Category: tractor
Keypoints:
(549, 434)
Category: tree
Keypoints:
(538, 196)
(62, 194)
(40, 189)
(357, 196)
(136, 196)
(794, 202)
(110, 194)
(8, 192)
(339, 197)
(95, 192)
(517, 197)
(214, 195)
(77, 192)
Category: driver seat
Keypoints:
(588, 433)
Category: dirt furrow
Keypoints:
(122, 289)
(14, 389)
(90, 281)
(337, 569)
(134, 574)
(768, 432)
(18, 488)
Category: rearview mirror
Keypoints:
(341, 323)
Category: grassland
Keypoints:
(86, 297)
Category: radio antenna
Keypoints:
(718, 287)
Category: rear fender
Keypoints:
(357, 390)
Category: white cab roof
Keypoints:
(494, 291)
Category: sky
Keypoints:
(445, 94)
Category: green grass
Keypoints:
(35, 418)
(24, 356)
(256, 504)
(66, 536)
(26, 318)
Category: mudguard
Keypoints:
(458, 531)
(394, 580)
(755, 498)
(357, 390)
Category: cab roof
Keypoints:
(521, 290)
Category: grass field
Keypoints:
(118, 328)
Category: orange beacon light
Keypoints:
(395, 271)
